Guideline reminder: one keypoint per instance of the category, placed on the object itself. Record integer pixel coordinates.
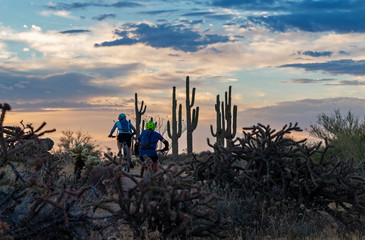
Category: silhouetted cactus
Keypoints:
(271, 172)
(174, 130)
(139, 112)
(191, 117)
(229, 130)
(224, 119)
(219, 132)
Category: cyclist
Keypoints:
(125, 134)
(147, 144)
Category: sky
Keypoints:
(77, 64)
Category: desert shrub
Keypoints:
(78, 149)
(346, 133)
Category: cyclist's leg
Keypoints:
(127, 157)
(144, 170)
(119, 144)
(154, 165)
(128, 141)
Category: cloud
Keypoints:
(177, 37)
(64, 14)
(306, 15)
(70, 90)
(157, 12)
(191, 22)
(74, 31)
(103, 17)
(245, 4)
(316, 53)
(79, 5)
(50, 87)
(209, 14)
(348, 83)
(197, 14)
(327, 82)
(299, 5)
(343, 66)
(303, 111)
(307, 80)
(340, 22)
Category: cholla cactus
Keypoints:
(84, 157)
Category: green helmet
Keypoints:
(122, 116)
(150, 126)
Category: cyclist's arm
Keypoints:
(166, 148)
(164, 141)
(133, 128)
(113, 129)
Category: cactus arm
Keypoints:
(195, 118)
(223, 118)
(212, 131)
(192, 98)
(179, 131)
(142, 109)
(234, 121)
(168, 130)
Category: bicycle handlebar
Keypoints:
(162, 150)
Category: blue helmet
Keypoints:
(122, 116)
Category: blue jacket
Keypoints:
(150, 150)
(118, 125)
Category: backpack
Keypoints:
(124, 125)
(145, 139)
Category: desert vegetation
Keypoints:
(264, 185)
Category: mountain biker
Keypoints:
(149, 148)
(124, 133)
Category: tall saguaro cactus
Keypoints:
(175, 128)
(139, 112)
(191, 117)
(226, 122)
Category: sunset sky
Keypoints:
(77, 64)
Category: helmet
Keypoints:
(150, 126)
(122, 116)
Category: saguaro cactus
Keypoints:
(191, 117)
(219, 132)
(139, 112)
(224, 115)
(175, 128)
(229, 131)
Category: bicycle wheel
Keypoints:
(127, 157)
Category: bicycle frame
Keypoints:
(126, 156)
(127, 160)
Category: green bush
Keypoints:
(345, 133)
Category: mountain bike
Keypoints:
(150, 167)
(125, 159)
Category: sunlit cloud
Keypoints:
(62, 13)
